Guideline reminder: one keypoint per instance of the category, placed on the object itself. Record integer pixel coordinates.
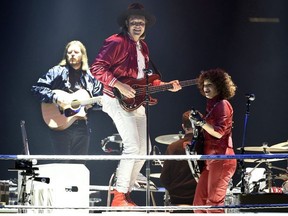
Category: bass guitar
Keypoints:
(61, 117)
(140, 86)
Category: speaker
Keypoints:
(60, 185)
(268, 198)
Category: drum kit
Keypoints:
(262, 180)
(258, 179)
(261, 177)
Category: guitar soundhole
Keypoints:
(70, 112)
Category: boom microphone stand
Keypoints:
(147, 98)
(249, 97)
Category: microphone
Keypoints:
(250, 97)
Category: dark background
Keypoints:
(189, 36)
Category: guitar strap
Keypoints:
(155, 69)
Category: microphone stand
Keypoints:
(147, 71)
(242, 166)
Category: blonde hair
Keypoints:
(85, 65)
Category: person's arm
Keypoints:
(197, 119)
(42, 89)
(209, 129)
(97, 86)
(222, 113)
(175, 83)
(104, 61)
(125, 89)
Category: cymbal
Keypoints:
(264, 148)
(155, 175)
(263, 160)
(283, 144)
(169, 138)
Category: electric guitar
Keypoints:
(140, 86)
(61, 117)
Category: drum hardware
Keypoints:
(157, 162)
(253, 186)
(108, 144)
(282, 177)
(247, 176)
(155, 175)
(266, 149)
(269, 176)
(278, 168)
(256, 186)
(285, 187)
(169, 138)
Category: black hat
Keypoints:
(136, 9)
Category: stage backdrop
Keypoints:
(189, 36)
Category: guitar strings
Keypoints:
(154, 89)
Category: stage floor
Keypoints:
(142, 213)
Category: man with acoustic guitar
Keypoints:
(120, 65)
(66, 91)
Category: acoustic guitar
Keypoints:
(61, 117)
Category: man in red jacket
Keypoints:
(126, 56)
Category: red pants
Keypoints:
(213, 183)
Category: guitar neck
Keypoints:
(185, 83)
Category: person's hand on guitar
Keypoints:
(176, 85)
(185, 144)
(125, 89)
(196, 118)
(61, 100)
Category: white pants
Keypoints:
(131, 127)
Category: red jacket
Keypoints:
(117, 59)
(220, 116)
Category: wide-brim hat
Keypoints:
(136, 9)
